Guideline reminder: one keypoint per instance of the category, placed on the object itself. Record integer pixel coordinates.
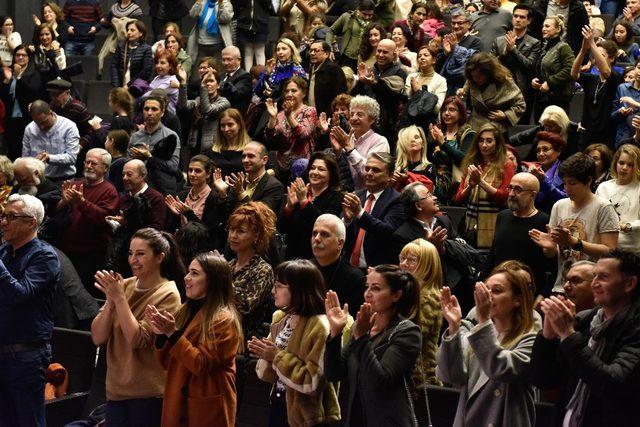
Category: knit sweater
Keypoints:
(310, 399)
(88, 219)
(82, 15)
(133, 371)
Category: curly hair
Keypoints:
(262, 221)
(365, 50)
(556, 141)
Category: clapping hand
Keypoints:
(350, 206)
(482, 298)
(7, 74)
(262, 349)
(437, 237)
(341, 137)
(323, 123)
(510, 39)
(236, 181)
(219, 183)
(543, 239)
(436, 134)
(587, 38)
(398, 178)
(72, 193)
(111, 284)
(561, 235)
(162, 323)
(272, 108)
(365, 319)
(338, 317)
(292, 198)
(474, 175)
(43, 157)
(176, 206)
(537, 172)
(560, 313)
(449, 43)
(451, 310)
(270, 65)
(301, 189)
(140, 152)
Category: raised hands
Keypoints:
(236, 181)
(449, 43)
(175, 205)
(262, 349)
(338, 317)
(437, 236)
(341, 138)
(219, 183)
(436, 134)
(162, 323)
(587, 38)
(451, 310)
(350, 206)
(112, 284)
(323, 123)
(301, 189)
(482, 298)
(559, 315)
(365, 319)
(272, 108)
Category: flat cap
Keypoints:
(58, 84)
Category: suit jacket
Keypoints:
(412, 229)
(521, 60)
(268, 191)
(237, 89)
(387, 215)
(329, 83)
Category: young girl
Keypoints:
(166, 77)
(623, 37)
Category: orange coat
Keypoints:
(200, 389)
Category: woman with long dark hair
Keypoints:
(307, 201)
(291, 356)
(135, 379)
(133, 58)
(371, 36)
(487, 172)
(382, 351)
(198, 346)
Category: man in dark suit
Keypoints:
(236, 83)
(372, 215)
(255, 184)
(326, 78)
(421, 210)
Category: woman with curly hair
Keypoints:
(251, 228)
(495, 97)
(487, 172)
(371, 36)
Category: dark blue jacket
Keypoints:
(28, 280)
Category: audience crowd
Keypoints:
(391, 197)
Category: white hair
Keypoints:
(339, 229)
(106, 157)
(368, 104)
(32, 164)
(233, 50)
(32, 206)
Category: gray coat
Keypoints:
(209, 115)
(494, 391)
(521, 60)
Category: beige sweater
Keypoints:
(133, 371)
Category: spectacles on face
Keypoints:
(409, 259)
(458, 23)
(10, 217)
(516, 189)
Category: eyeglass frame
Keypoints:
(12, 217)
(517, 190)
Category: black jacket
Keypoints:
(252, 15)
(384, 362)
(298, 226)
(238, 90)
(528, 136)
(172, 9)
(141, 64)
(387, 215)
(578, 18)
(28, 88)
(412, 230)
(269, 191)
(613, 377)
(329, 83)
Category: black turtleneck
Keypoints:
(345, 280)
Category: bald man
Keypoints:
(376, 83)
(511, 239)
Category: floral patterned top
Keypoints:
(252, 286)
(270, 85)
(292, 144)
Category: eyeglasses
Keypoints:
(10, 217)
(516, 189)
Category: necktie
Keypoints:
(355, 255)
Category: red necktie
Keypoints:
(355, 255)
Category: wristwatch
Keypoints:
(577, 246)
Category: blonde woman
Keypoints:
(623, 191)
(488, 355)
(422, 259)
(487, 172)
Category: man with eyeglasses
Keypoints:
(511, 239)
(326, 78)
(460, 25)
(29, 273)
(422, 220)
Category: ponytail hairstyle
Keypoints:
(400, 280)
(218, 299)
(162, 242)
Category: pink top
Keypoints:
(196, 202)
(368, 143)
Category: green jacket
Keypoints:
(350, 28)
(555, 69)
